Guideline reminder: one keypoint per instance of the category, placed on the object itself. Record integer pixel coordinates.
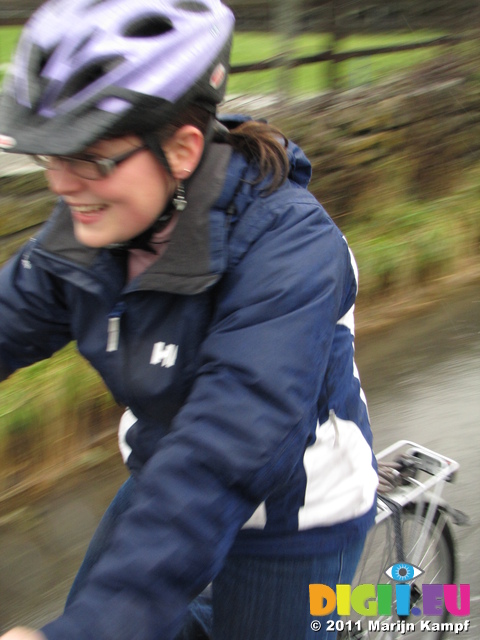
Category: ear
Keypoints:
(184, 151)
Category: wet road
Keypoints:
(422, 379)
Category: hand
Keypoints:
(22, 633)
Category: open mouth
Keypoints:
(85, 209)
(87, 213)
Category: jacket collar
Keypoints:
(196, 255)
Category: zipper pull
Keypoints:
(26, 264)
(113, 329)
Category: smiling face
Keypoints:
(123, 204)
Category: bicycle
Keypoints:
(412, 538)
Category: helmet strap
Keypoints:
(153, 143)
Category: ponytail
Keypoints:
(265, 146)
(261, 143)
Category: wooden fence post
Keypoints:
(334, 39)
(286, 21)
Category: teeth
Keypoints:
(87, 208)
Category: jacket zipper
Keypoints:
(113, 329)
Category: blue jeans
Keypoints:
(252, 598)
(268, 598)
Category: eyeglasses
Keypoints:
(86, 166)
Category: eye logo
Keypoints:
(403, 572)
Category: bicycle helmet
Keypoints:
(90, 69)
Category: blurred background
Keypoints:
(384, 97)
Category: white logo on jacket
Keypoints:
(164, 354)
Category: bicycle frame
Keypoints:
(426, 494)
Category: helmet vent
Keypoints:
(88, 75)
(148, 27)
(94, 3)
(43, 58)
(37, 60)
(192, 5)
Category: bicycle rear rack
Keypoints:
(420, 475)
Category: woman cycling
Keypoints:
(215, 297)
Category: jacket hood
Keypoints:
(300, 167)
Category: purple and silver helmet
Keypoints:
(89, 69)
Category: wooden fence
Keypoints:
(344, 18)
(332, 56)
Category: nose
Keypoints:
(62, 181)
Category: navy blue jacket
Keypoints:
(247, 428)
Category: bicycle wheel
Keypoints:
(428, 544)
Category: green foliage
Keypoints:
(408, 243)
(53, 398)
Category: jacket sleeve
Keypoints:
(245, 425)
(33, 318)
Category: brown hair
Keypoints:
(260, 142)
(265, 145)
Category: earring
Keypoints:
(179, 200)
